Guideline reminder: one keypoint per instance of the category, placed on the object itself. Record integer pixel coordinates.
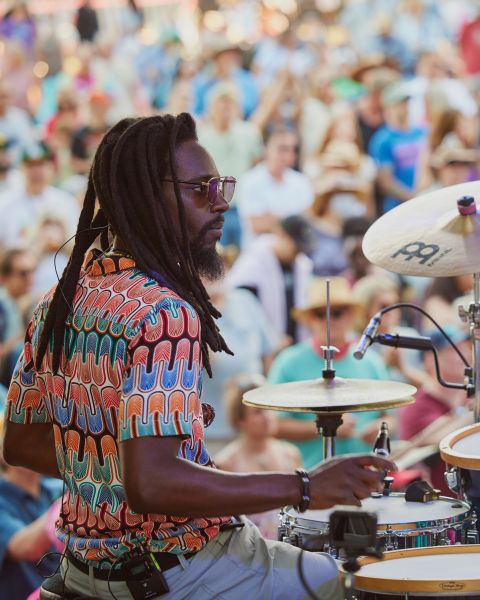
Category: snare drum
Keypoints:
(440, 572)
(400, 524)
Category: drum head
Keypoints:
(445, 570)
(393, 512)
(462, 448)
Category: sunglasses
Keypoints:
(215, 188)
(335, 313)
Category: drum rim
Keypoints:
(455, 458)
(449, 586)
(422, 527)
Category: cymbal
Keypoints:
(331, 396)
(427, 236)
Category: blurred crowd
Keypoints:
(328, 113)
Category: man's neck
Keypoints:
(34, 190)
(24, 479)
(276, 172)
(253, 444)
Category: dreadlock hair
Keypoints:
(130, 162)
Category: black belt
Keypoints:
(165, 561)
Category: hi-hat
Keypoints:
(331, 396)
(433, 235)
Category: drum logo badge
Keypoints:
(451, 586)
(421, 251)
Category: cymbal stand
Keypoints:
(472, 317)
(327, 424)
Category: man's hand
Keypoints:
(347, 479)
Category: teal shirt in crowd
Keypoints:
(300, 362)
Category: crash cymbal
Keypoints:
(428, 236)
(331, 396)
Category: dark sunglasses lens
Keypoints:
(213, 191)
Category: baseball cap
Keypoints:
(456, 334)
(36, 153)
(395, 93)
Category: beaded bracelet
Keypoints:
(305, 479)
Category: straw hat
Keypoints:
(340, 296)
(452, 151)
(342, 155)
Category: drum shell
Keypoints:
(301, 530)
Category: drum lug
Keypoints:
(453, 479)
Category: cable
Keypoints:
(437, 325)
(302, 578)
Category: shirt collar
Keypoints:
(99, 263)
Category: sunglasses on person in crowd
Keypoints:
(335, 313)
(215, 188)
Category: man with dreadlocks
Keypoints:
(106, 394)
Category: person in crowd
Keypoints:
(23, 207)
(358, 266)
(255, 447)
(86, 140)
(18, 25)
(343, 136)
(277, 270)
(440, 295)
(387, 43)
(340, 197)
(143, 366)
(249, 335)
(452, 163)
(396, 148)
(27, 553)
(17, 268)
(10, 177)
(449, 129)
(235, 145)
(48, 242)
(15, 125)
(305, 361)
(226, 65)
(86, 22)
(272, 190)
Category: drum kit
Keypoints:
(429, 548)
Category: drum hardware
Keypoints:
(421, 491)
(454, 479)
(434, 236)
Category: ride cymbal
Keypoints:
(331, 396)
(433, 235)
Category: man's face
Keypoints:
(20, 280)
(204, 223)
(341, 316)
(36, 173)
(397, 114)
(281, 150)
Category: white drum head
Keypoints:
(442, 569)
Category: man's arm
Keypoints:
(31, 542)
(391, 186)
(156, 480)
(32, 447)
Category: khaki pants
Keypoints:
(237, 565)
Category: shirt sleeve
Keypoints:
(160, 394)
(25, 403)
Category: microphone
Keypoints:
(381, 447)
(367, 336)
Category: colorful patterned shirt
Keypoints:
(130, 367)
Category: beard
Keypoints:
(208, 262)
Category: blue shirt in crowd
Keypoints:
(18, 509)
(399, 150)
